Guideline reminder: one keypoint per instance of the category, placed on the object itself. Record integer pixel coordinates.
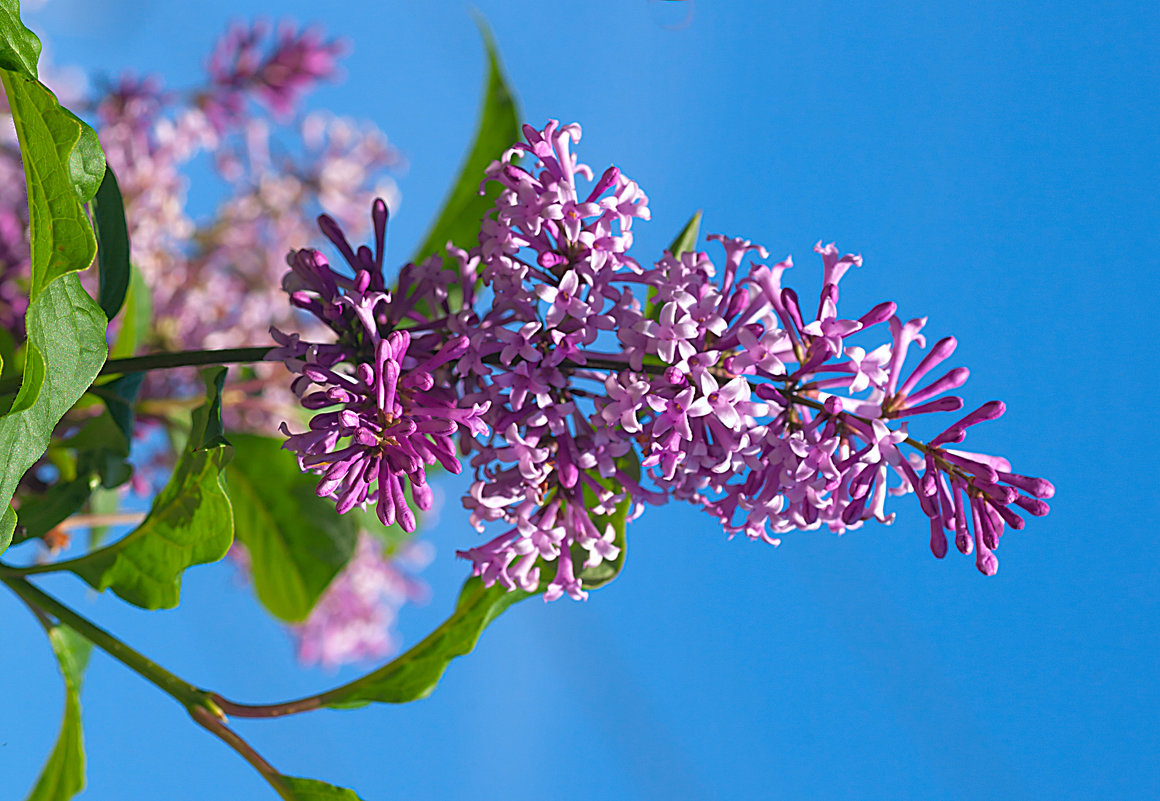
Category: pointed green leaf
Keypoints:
(19, 47)
(685, 242)
(297, 543)
(112, 245)
(42, 513)
(119, 396)
(687, 239)
(596, 577)
(62, 239)
(63, 775)
(66, 348)
(415, 674)
(314, 790)
(498, 129)
(190, 523)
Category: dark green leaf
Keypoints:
(63, 775)
(42, 513)
(498, 129)
(8, 348)
(66, 348)
(596, 577)
(62, 238)
(100, 433)
(136, 314)
(112, 245)
(102, 448)
(314, 790)
(19, 47)
(119, 396)
(190, 522)
(297, 542)
(684, 243)
(415, 674)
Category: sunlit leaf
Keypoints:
(65, 351)
(685, 242)
(60, 171)
(66, 329)
(63, 775)
(19, 47)
(297, 543)
(314, 790)
(190, 522)
(414, 674)
(7, 527)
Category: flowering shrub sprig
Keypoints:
(575, 380)
(579, 361)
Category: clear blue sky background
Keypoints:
(997, 166)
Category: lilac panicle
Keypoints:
(383, 410)
(584, 385)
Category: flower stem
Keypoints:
(164, 361)
(181, 690)
(199, 703)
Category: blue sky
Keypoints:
(996, 165)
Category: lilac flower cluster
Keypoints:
(585, 385)
(395, 413)
(213, 281)
(241, 66)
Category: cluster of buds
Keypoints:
(581, 385)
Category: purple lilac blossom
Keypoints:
(390, 412)
(213, 282)
(601, 384)
(275, 73)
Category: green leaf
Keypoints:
(136, 314)
(112, 245)
(687, 239)
(19, 47)
(7, 528)
(684, 243)
(59, 168)
(596, 577)
(119, 396)
(66, 348)
(314, 790)
(415, 674)
(86, 161)
(63, 775)
(42, 513)
(498, 129)
(190, 523)
(102, 447)
(297, 543)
